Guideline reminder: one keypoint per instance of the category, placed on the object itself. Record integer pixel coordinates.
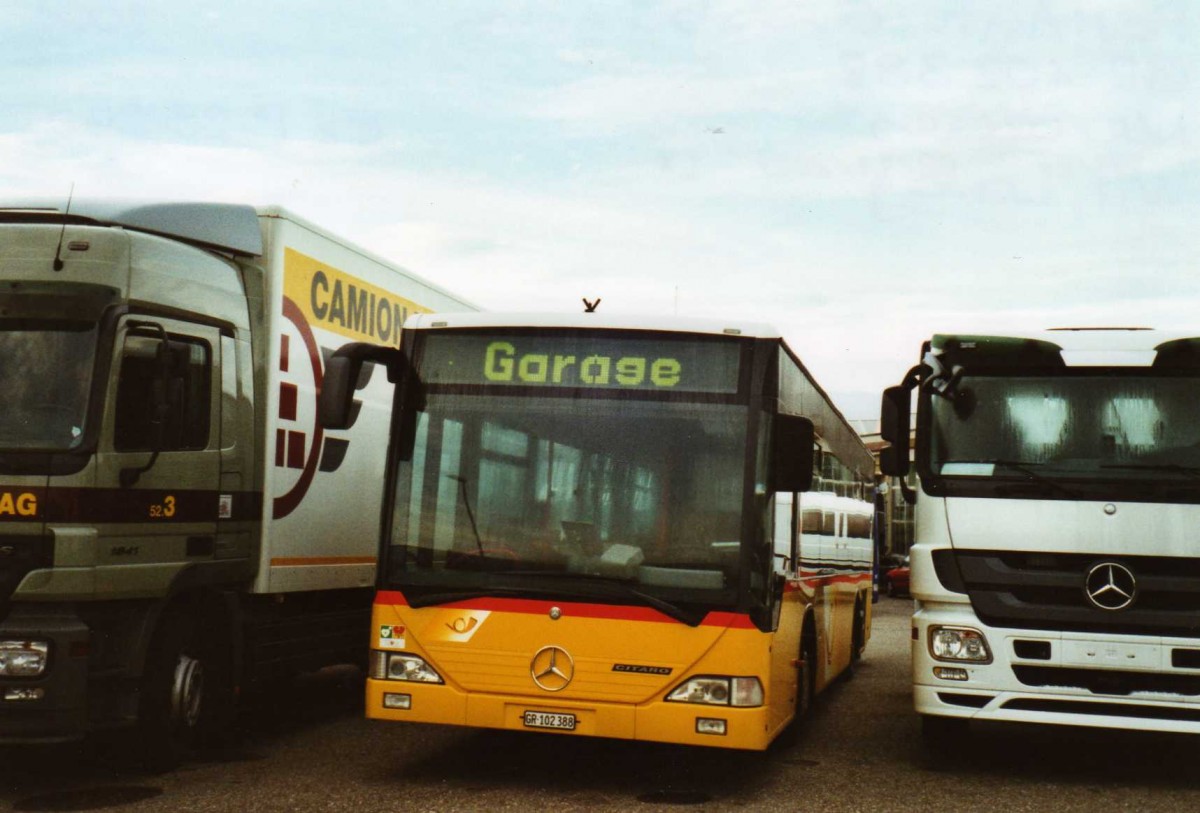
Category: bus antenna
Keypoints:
(590, 307)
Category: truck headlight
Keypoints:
(958, 644)
(402, 666)
(23, 658)
(719, 691)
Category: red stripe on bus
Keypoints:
(616, 612)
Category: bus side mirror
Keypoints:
(335, 405)
(791, 454)
(894, 421)
(337, 392)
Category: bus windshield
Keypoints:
(574, 492)
(1087, 427)
(45, 375)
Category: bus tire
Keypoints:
(858, 637)
(187, 688)
(805, 684)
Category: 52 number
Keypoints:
(163, 510)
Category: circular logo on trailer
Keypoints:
(552, 668)
(1110, 586)
(298, 436)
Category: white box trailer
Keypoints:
(174, 523)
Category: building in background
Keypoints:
(894, 515)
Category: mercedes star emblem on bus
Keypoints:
(552, 668)
(1110, 586)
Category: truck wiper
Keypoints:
(1191, 471)
(1024, 468)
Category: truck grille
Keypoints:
(1046, 591)
(1108, 681)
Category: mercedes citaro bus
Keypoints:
(650, 530)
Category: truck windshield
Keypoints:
(538, 489)
(1126, 427)
(45, 375)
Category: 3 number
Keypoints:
(164, 510)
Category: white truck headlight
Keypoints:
(23, 658)
(958, 644)
(719, 691)
(402, 666)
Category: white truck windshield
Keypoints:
(1086, 426)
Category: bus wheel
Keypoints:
(858, 640)
(806, 688)
(187, 692)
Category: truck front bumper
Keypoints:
(1064, 678)
(51, 707)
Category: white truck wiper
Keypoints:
(1178, 468)
(1024, 468)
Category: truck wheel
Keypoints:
(187, 689)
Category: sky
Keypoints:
(861, 175)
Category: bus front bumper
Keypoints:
(658, 721)
(1062, 678)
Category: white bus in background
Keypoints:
(1057, 565)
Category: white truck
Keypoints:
(1057, 565)
(174, 523)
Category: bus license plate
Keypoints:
(546, 719)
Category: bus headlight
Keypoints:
(23, 658)
(719, 691)
(402, 666)
(958, 644)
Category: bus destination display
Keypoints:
(582, 361)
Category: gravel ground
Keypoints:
(310, 750)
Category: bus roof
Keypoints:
(671, 324)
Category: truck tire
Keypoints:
(187, 688)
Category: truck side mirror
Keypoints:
(895, 417)
(791, 454)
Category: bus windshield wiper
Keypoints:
(451, 596)
(690, 616)
(1178, 468)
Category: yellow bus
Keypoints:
(642, 529)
